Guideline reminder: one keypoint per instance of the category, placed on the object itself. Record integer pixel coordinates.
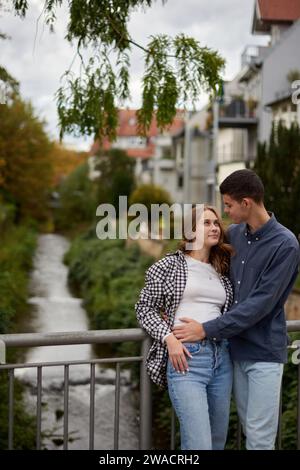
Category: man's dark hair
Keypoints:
(243, 183)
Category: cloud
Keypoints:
(38, 58)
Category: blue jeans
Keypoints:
(201, 396)
(257, 395)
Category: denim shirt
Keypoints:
(263, 271)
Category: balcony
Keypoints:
(237, 113)
(98, 337)
(253, 55)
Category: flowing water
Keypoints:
(56, 310)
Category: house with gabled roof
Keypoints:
(153, 154)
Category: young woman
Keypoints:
(190, 285)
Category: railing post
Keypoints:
(145, 400)
(298, 410)
(2, 352)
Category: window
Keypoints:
(293, 108)
(167, 153)
(180, 181)
(210, 193)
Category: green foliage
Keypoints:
(290, 401)
(176, 69)
(116, 176)
(78, 201)
(293, 75)
(25, 167)
(278, 164)
(108, 277)
(148, 194)
(17, 249)
(7, 216)
(11, 84)
(24, 424)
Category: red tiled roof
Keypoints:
(128, 128)
(141, 153)
(128, 124)
(279, 10)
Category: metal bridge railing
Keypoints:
(82, 337)
(101, 337)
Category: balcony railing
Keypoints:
(99, 337)
(237, 109)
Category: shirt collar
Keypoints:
(262, 230)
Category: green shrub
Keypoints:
(17, 249)
(78, 200)
(109, 277)
(116, 176)
(148, 194)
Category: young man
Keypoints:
(263, 271)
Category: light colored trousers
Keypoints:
(256, 388)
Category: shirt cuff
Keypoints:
(211, 330)
(164, 338)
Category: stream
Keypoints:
(56, 310)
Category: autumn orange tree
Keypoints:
(26, 169)
(64, 161)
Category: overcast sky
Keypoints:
(38, 59)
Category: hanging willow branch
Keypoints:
(177, 70)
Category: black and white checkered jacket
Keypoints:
(164, 286)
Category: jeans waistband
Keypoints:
(211, 341)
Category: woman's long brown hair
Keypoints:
(219, 254)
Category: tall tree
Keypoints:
(278, 164)
(8, 84)
(176, 69)
(64, 162)
(116, 176)
(25, 171)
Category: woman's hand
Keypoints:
(177, 352)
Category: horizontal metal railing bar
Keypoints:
(88, 337)
(72, 363)
(73, 337)
(293, 325)
(101, 337)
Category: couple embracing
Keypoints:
(223, 324)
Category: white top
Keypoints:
(204, 294)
